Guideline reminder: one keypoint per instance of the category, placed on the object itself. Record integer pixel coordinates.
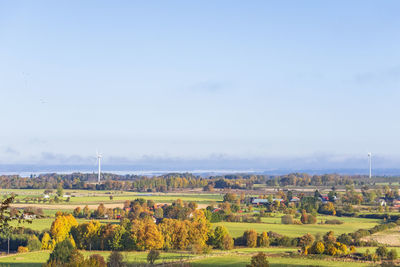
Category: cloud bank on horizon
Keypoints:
(268, 84)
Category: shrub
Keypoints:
(345, 239)
(34, 243)
(318, 248)
(331, 250)
(382, 252)
(259, 260)
(335, 221)
(22, 249)
(115, 260)
(392, 255)
(329, 237)
(311, 219)
(341, 247)
(287, 219)
(285, 241)
(96, 260)
(306, 240)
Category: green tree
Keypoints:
(153, 256)
(34, 243)
(7, 215)
(221, 238)
(62, 252)
(60, 190)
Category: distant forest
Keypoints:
(174, 181)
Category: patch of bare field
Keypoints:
(390, 237)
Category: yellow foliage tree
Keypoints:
(61, 227)
(146, 234)
(199, 228)
(46, 241)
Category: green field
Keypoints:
(39, 257)
(293, 230)
(238, 257)
(242, 260)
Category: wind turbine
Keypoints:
(99, 156)
(370, 164)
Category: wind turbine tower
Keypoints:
(370, 164)
(99, 156)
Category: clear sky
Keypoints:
(199, 80)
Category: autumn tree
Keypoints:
(46, 241)
(250, 237)
(86, 211)
(263, 240)
(77, 211)
(86, 234)
(61, 226)
(199, 228)
(175, 233)
(306, 240)
(146, 234)
(304, 217)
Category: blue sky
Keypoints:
(273, 80)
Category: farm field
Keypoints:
(95, 197)
(389, 237)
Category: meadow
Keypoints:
(243, 260)
(237, 258)
(293, 230)
(37, 258)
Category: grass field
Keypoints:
(39, 257)
(234, 258)
(242, 260)
(273, 224)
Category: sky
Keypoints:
(268, 83)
